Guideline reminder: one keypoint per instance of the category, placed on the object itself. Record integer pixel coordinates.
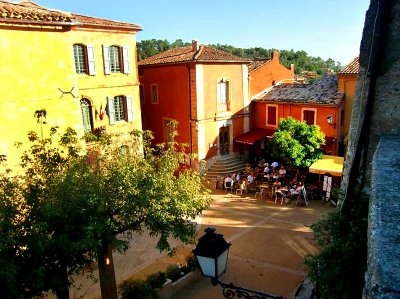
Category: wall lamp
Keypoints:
(211, 254)
(329, 120)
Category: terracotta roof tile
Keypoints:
(351, 68)
(257, 64)
(30, 12)
(103, 22)
(184, 54)
(321, 92)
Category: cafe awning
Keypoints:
(253, 135)
(332, 165)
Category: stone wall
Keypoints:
(374, 128)
(383, 276)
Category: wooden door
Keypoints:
(224, 141)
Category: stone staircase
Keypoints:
(224, 165)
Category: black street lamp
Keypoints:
(211, 254)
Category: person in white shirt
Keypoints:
(228, 179)
(275, 166)
(250, 178)
(282, 171)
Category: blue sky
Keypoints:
(325, 28)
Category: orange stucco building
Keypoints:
(208, 92)
(267, 73)
(347, 80)
(204, 89)
(318, 103)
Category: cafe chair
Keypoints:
(301, 196)
(242, 188)
(279, 195)
(228, 187)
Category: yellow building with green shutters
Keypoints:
(81, 70)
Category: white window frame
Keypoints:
(224, 95)
(115, 60)
(154, 96)
(276, 115)
(127, 109)
(80, 59)
(309, 109)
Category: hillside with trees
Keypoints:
(300, 58)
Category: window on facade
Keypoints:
(223, 100)
(119, 108)
(80, 59)
(309, 117)
(154, 94)
(86, 110)
(141, 93)
(115, 60)
(271, 115)
(168, 131)
(84, 59)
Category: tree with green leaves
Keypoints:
(84, 206)
(297, 143)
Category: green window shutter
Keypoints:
(91, 60)
(106, 59)
(111, 112)
(125, 57)
(129, 110)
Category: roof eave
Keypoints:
(125, 28)
(30, 22)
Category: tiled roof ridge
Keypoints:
(27, 11)
(103, 22)
(186, 54)
(257, 64)
(351, 68)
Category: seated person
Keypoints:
(251, 178)
(275, 176)
(275, 166)
(297, 190)
(251, 181)
(228, 181)
(266, 168)
(282, 171)
(237, 178)
(247, 169)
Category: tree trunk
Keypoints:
(62, 292)
(108, 283)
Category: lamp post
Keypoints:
(211, 254)
(329, 120)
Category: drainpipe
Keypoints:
(190, 114)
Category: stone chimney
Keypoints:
(275, 55)
(195, 45)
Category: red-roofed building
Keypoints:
(208, 92)
(204, 89)
(318, 103)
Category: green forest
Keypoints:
(301, 60)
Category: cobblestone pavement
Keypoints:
(269, 242)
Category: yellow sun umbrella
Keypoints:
(332, 165)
